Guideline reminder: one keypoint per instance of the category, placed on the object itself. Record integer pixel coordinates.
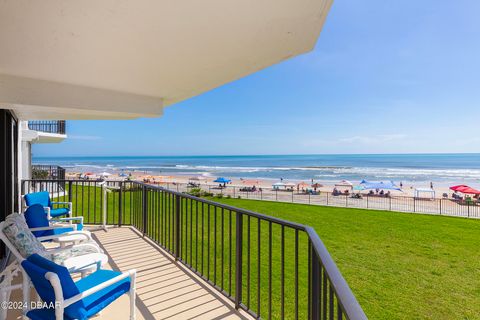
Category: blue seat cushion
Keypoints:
(58, 212)
(42, 198)
(36, 217)
(99, 300)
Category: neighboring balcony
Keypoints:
(47, 172)
(48, 131)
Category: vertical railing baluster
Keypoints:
(269, 270)
(314, 284)
(215, 245)
(282, 271)
(120, 204)
(238, 258)
(177, 252)
(248, 262)
(296, 274)
(258, 266)
(144, 209)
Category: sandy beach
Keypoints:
(408, 189)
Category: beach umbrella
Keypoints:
(317, 185)
(302, 184)
(105, 174)
(465, 189)
(344, 183)
(387, 185)
(222, 180)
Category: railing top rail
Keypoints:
(349, 303)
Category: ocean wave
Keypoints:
(254, 169)
(295, 172)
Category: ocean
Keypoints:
(406, 168)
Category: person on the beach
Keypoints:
(431, 185)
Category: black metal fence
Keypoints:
(468, 208)
(47, 172)
(50, 126)
(271, 268)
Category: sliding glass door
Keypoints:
(8, 166)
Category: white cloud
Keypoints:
(373, 139)
(82, 137)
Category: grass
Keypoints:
(399, 266)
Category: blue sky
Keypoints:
(385, 77)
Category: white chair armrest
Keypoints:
(57, 226)
(57, 236)
(89, 244)
(129, 274)
(80, 218)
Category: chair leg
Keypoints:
(25, 292)
(132, 295)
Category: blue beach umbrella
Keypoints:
(222, 180)
(387, 185)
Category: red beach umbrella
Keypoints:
(465, 189)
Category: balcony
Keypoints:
(201, 259)
(52, 126)
(47, 172)
(51, 131)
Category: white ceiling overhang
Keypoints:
(114, 59)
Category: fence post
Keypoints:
(234, 191)
(144, 209)
(441, 206)
(309, 198)
(177, 227)
(238, 259)
(468, 209)
(261, 194)
(390, 203)
(327, 198)
(292, 196)
(315, 286)
(346, 200)
(276, 195)
(367, 200)
(120, 205)
(70, 191)
(414, 204)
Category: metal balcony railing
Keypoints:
(49, 126)
(269, 267)
(47, 172)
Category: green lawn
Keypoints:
(399, 266)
